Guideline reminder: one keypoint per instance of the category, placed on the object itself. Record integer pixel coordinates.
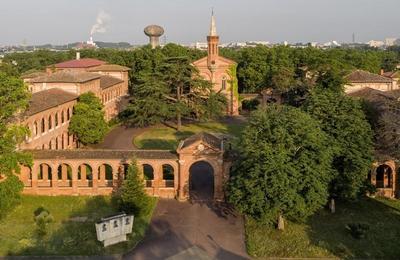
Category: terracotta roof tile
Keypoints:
(32, 75)
(46, 99)
(360, 76)
(81, 63)
(67, 76)
(109, 67)
(108, 81)
(103, 154)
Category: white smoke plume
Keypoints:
(101, 23)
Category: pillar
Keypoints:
(75, 180)
(95, 180)
(54, 180)
(64, 173)
(102, 175)
(182, 180)
(35, 172)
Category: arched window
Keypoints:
(68, 114)
(168, 175)
(35, 129)
(50, 145)
(56, 143)
(62, 117)
(224, 83)
(50, 123)
(56, 119)
(43, 125)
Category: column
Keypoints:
(54, 179)
(64, 173)
(83, 179)
(386, 178)
(95, 179)
(102, 175)
(182, 181)
(74, 180)
(35, 171)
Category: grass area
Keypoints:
(65, 236)
(325, 234)
(167, 138)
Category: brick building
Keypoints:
(55, 92)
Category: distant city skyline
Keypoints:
(187, 21)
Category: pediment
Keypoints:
(202, 143)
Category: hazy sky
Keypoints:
(185, 21)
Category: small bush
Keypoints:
(250, 105)
(358, 230)
(42, 219)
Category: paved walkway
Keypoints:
(181, 227)
(120, 138)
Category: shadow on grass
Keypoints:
(77, 234)
(329, 231)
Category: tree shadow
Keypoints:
(329, 231)
(77, 234)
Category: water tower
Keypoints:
(154, 32)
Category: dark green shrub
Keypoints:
(358, 230)
(42, 219)
(250, 105)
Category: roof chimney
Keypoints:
(78, 55)
(382, 72)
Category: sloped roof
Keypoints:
(109, 67)
(361, 76)
(210, 139)
(391, 74)
(46, 99)
(103, 154)
(372, 94)
(67, 76)
(108, 81)
(81, 63)
(32, 75)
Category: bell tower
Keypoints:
(212, 40)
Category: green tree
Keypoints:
(13, 101)
(284, 168)
(132, 197)
(87, 121)
(173, 89)
(343, 119)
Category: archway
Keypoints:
(201, 181)
(384, 176)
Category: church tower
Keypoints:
(213, 41)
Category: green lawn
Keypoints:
(325, 234)
(18, 232)
(167, 138)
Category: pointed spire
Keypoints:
(213, 27)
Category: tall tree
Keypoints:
(343, 119)
(87, 121)
(13, 100)
(174, 89)
(132, 197)
(284, 165)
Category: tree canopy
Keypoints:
(13, 101)
(350, 136)
(87, 121)
(173, 89)
(284, 166)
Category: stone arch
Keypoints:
(148, 174)
(64, 175)
(42, 126)
(45, 175)
(26, 175)
(202, 180)
(105, 175)
(168, 175)
(50, 122)
(85, 175)
(35, 128)
(384, 176)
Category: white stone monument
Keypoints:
(113, 229)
